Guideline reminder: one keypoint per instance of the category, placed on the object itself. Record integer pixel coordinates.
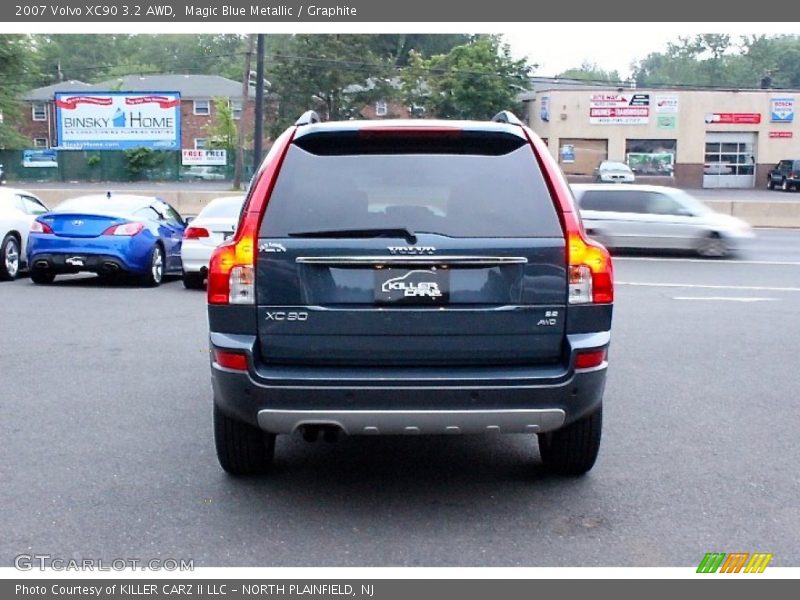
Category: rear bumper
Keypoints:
(64, 255)
(195, 256)
(409, 400)
(66, 263)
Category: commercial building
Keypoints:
(689, 138)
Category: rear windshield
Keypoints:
(228, 208)
(451, 193)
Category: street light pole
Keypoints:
(259, 111)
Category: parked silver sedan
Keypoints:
(656, 217)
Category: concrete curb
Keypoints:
(759, 213)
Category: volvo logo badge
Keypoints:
(411, 250)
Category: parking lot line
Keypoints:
(724, 298)
(709, 287)
(706, 260)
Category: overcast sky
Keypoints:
(556, 47)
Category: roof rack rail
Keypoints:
(307, 118)
(506, 116)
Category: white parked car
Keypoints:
(215, 224)
(614, 172)
(656, 217)
(18, 209)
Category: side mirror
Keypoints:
(187, 220)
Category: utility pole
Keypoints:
(259, 112)
(238, 167)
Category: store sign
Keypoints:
(666, 104)
(39, 158)
(118, 120)
(544, 110)
(204, 157)
(567, 153)
(619, 109)
(666, 121)
(781, 110)
(780, 134)
(733, 118)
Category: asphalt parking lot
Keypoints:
(107, 445)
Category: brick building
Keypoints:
(198, 93)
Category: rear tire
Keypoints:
(155, 271)
(572, 450)
(9, 258)
(241, 448)
(192, 281)
(43, 277)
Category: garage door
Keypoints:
(730, 160)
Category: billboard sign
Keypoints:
(204, 157)
(784, 135)
(39, 158)
(733, 118)
(118, 120)
(781, 110)
(666, 104)
(544, 110)
(619, 109)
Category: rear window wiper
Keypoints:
(371, 232)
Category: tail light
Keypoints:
(195, 233)
(39, 227)
(590, 271)
(128, 229)
(231, 270)
(591, 274)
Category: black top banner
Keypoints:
(355, 11)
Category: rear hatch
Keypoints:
(411, 247)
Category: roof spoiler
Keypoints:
(307, 118)
(506, 116)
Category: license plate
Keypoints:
(412, 286)
(75, 261)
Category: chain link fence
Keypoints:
(113, 165)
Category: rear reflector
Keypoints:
(194, 233)
(230, 360)
(592, 358)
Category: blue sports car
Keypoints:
(108, 235)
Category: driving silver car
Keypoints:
(656, 217)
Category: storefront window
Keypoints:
(581, 156)
(651, 157)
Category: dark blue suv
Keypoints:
(409, 277)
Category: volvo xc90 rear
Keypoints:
(415, 277)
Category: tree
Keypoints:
(16, 67)
(333, 74)
(222, 132)
(472, 81)
(591, 72)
